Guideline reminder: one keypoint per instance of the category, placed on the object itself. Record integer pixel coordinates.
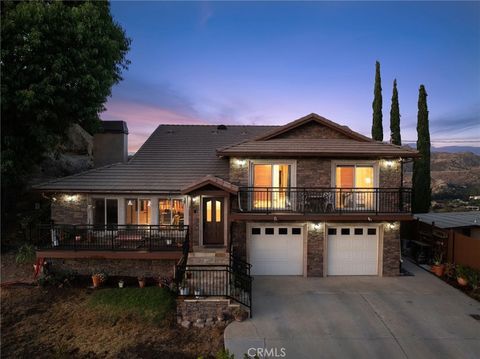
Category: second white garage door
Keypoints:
(275, 250)
(352, 250)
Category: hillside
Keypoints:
(454, 175)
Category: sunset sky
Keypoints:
(273, 62)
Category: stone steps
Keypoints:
(218, 257)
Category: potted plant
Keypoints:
(474, 279)
(98, 278)
(438, 267)
(198, 293)
(168, 242)
(240, 314)
(121, 283)
(462, 275)
(183, 287)
(141, 281)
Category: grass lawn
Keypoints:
(151, 303)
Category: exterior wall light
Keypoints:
(71, 198)
(240, 163)
(316, 226)
(388, 163)
(391, 226)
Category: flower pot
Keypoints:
(438, 269)
(141, 283)
(184, 291)
(198, 293)
(97, 281)
(169, 242)
(120, 284)
(241, 316)
(462, 281)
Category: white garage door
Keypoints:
(275, 250)
(352, 250)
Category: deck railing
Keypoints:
(112, 237)
(323, 200)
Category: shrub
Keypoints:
(461, 271)
(474, 278)
(57, 278)
(25, 254)
(224, 354)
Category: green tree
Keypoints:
(59, 61)
(395, 136)
(421, 167)
(377, 127)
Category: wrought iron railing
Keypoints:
(216, 281)
(323, 200)
(112, 237)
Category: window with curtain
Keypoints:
(272, 185)
(357, 186)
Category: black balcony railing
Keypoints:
(112, 237)
(323, 200)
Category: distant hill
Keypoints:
(454, 175)
(457, 149)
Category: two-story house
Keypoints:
(310, 198)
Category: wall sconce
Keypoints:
(316, 226)
(149, 204)
(388, 163)
(391, 226)
(240, 163)
(54, 199)
(194, 200)
(129, 203)
(70, 198)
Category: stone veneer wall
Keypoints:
(203, 312)
(315, 239)
(312, 130)
(238, 235)
(64, 211)
(118, 267)
(391, 250)
(390, 177)
(194, 223)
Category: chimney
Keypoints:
(110, 144)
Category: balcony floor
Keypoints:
(104, 254)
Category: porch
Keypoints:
(112, 238)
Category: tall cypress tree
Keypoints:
(377, 127)
(421, 166)
(395, 136)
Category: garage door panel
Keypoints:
(276, 254)
(352, 254)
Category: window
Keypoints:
(283, 231)
(105, 211)
(332, 231)
(296, 231)
(345, 231)
(356, 183)
(372, 231)
(272, 183)
(358, 231)
(138, 211)
(170, 211)
(269, 231)
(256, 230)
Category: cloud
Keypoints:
(206, 13)
(456, 124)
(143, 119)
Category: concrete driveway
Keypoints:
(358, 317)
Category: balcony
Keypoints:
(273, 200)
(88, 237)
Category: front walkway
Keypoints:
(358, 317)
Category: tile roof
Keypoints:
(210, 180)
(451, 219)
(172, 158)
(317, 147)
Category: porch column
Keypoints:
(186, 210)
(121, 210)
(154, 209)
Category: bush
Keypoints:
(474, 278)
(57, 278)
(25, 254)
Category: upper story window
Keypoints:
(105, 211)
(355, 186)
(272, 182)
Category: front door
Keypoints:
(213, 225)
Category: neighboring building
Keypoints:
(309, 198)
(456, 234)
